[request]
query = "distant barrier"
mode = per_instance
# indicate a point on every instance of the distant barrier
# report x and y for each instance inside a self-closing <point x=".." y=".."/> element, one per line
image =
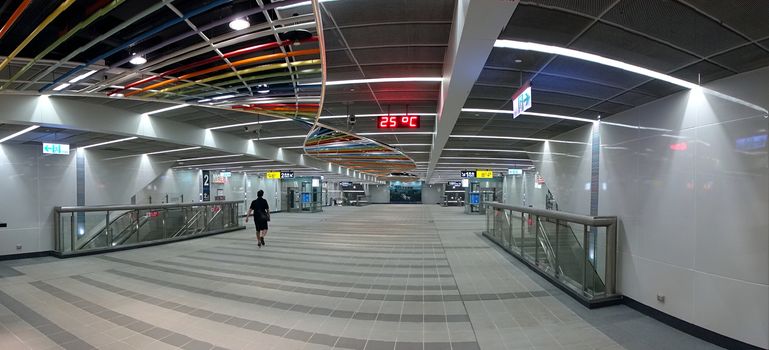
<point x="85" y="230"/>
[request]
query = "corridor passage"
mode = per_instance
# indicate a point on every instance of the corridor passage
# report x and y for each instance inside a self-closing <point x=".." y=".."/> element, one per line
<point x="375" y="277"/>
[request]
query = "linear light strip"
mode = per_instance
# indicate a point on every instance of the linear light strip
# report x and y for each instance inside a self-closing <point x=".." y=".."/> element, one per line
<point x="395" y="133"/>
<point x="545" y="115"/>
<point x="515" y="138"/>
<point x="382" y="80"/>
<point x="483" y="150"/>
<point x="487" y="158"/>
<point x="225" y="163"/>
<point x="210" y="157"/>
<point x="279" y="137"/>
<point x="22" y="132"/>
<point x="173" y="150"/>
<point x="561" y="51"/>
<point x="167" y="109"/>
<point x="110" y="142"/>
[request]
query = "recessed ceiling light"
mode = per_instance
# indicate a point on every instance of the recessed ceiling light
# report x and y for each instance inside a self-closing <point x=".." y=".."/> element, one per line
<point x="239" y="24"/>
<point x="137" y="60"/>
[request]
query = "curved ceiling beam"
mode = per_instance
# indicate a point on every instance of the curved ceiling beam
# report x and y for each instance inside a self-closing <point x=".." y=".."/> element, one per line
<point x="101" y="12"/>
<point x="98" y="40"/>
<point x="205" y="28"/>
<point x="245" y="71"/>
<point x="136" y="39"/>
<point x="224" y="67"/>
<point x="188" y="52"/>
<point x="64" y="5"/>
<point x="14" y="16"/>
<point x="251" y="49"/>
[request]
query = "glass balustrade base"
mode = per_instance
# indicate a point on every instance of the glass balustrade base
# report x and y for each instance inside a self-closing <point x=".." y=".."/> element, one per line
<point x="102" y="250"/>
<point x="589" y="301"/>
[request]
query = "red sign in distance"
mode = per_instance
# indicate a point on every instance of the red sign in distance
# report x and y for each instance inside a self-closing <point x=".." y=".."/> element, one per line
<point x="397" y="121"/>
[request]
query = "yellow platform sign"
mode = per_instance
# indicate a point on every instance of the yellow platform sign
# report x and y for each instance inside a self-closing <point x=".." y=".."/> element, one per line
<point x="484" y="174"/>
<point x="273" y="175"/>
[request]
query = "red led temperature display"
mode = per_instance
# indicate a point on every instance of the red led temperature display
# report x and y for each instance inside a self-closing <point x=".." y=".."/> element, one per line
<point x="401" y="121"/>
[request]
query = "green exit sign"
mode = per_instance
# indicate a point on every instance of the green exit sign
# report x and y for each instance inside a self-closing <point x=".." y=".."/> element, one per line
<point x="55" y="148"/>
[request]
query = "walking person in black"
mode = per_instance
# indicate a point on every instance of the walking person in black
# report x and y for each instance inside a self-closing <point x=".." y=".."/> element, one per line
<point x="261" y="211"/>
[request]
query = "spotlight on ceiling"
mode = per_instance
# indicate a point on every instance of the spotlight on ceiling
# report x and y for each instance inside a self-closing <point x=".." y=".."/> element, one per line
<point x="263" y="89"/>
<point x="137" y="60"/>
<point x="239" y="24"/>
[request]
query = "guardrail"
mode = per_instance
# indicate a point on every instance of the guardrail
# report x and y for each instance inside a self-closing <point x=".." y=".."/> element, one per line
<point x="93" y="229"/>
<point x="576" y="252"/>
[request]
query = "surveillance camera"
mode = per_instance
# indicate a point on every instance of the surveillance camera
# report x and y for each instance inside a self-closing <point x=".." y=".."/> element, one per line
<point x="253" y="128"/>
<point x="351" y="119"/>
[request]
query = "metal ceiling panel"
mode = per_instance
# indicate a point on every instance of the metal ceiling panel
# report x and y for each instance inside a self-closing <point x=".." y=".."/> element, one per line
<point x="608" y="41"/>
<point x="745" y="16"/>
<point x="665" y="20"/>
<point x="397" y="34"/>
<point x="542" y="25"/>
<point x="703" y="72"/>
<point x="589" y="7"/>
<point x="745" y="58"/>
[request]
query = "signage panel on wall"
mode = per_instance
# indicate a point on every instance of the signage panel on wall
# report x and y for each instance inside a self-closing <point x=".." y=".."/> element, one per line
<point x="467" y="173"/>
<point x="55" y="148"/>
<point x="521" y="100"/>
<point x="206" y="179"/>
<point x="484" y="174"/>
<point x="514" y="171"/>
<point x="454" y="183"/>
<point x="315" y="182"/>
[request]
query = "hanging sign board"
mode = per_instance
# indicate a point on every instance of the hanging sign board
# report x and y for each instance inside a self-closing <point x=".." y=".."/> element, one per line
<point x="273" y="175"/>
<point x="287" y="174"/>
<point x="467" y="173"/>
<point x="514" y="171"/>
<point x="521" y="100"/>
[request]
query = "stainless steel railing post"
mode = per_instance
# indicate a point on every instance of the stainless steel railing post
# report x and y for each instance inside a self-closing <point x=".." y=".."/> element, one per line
<point x="584" y="258"/>
<point x="536" y="239"/>
<point x="557" y="255"/>
<point x="72" y="232"/>
<point x="108" y="230"/>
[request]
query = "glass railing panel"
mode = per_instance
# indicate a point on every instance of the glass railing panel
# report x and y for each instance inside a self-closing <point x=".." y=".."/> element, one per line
<point x="576" y="251"/>
<point x="569" y="253"/>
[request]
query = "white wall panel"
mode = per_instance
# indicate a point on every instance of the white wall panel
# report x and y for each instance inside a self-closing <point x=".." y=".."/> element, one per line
<point x="31" y="185"/>
<point x="692" y="205"/>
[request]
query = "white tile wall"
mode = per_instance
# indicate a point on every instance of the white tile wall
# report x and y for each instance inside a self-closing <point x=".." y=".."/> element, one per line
<point x="693" y="222"/>
<point x="32" y="184"/>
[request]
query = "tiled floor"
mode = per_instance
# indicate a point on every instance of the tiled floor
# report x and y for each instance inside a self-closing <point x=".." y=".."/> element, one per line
<point x="377" y="277"/>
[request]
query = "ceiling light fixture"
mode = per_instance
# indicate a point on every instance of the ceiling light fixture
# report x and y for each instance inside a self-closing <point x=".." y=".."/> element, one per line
<point x="110" y="142"/>
<point x="395" y="133"/>
<point x="224" y="163"/>
<point x="137" y="60"/>
<point x="166" y="109"/>
<point x="82" y="76"/>
<point x="411" y="144"/>
<point x="483" y="150"/>
<point x="61" y="87"/>
<point x="26" y="130"/>
<point x="173" y="150"/>
<point x="239" y="24"/>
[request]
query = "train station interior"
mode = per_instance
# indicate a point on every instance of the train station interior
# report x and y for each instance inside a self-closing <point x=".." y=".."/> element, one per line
<point x="425" y="174"/>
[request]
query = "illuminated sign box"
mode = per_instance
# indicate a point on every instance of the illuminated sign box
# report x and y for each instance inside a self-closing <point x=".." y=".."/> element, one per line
<point x="398" y="122"/>
<point x="521" y="100"/>
<point x="484" y="174"/>
<point x="279" y="175"/>
<point x="55" y="148"/>
<point x="514" y="171"/>
<point x="467" y="173"/>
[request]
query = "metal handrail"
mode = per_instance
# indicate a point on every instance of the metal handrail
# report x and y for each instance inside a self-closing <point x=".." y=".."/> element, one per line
<point x="137" y="206"/>
<point x="559" y="215"/>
